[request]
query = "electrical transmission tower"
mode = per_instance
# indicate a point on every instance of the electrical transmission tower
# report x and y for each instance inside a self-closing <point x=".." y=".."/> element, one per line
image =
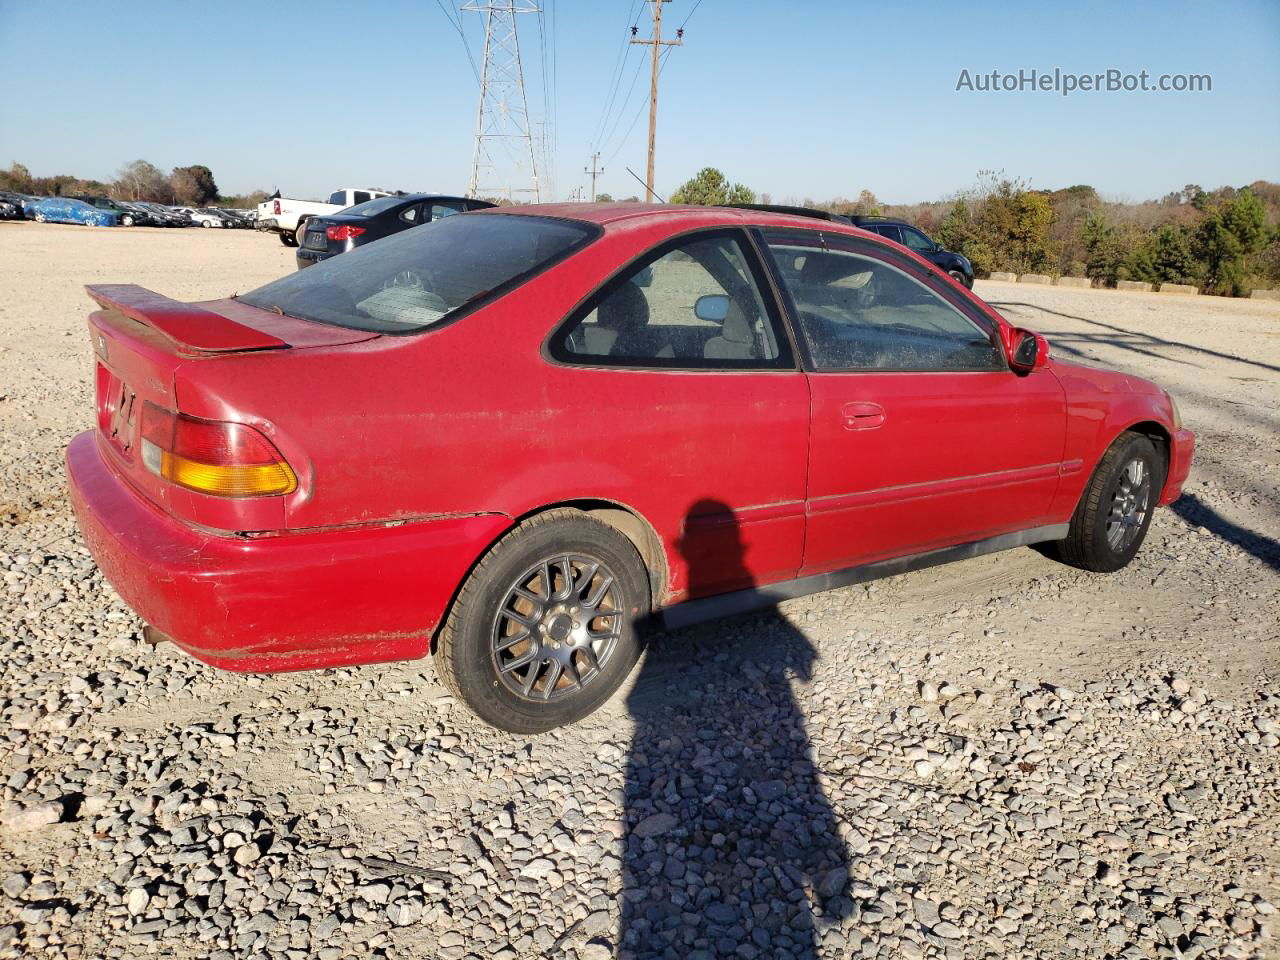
<point x="502" y="118"/>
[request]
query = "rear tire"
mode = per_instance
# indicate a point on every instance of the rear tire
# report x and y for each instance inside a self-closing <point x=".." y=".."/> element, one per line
<point x="1114" y="513"/>
<point x="959" y="277"/>
<point x="546" y="627"/>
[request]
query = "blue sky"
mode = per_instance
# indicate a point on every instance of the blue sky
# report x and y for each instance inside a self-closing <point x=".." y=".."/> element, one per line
<point x="799" y="99"/>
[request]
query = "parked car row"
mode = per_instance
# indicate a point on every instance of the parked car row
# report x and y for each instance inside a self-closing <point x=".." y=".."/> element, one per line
<point x="98" y="211"/>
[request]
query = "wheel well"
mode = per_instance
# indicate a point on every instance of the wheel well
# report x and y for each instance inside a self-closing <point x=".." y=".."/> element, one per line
<point x="632" y="526"/>
<point x="1158" y="436"/>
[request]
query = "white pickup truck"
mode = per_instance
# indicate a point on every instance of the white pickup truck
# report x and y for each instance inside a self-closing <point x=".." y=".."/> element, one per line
<point x="286" y="216"/>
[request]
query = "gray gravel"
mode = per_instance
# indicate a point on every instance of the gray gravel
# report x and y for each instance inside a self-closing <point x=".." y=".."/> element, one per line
<point x="1004" y="758"/>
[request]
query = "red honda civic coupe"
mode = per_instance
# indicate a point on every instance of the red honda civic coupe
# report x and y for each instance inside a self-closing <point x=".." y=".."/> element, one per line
<point x="515" y="437"/>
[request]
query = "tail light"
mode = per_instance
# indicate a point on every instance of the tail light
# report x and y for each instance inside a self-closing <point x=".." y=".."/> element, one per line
<point x="212" y="456"/>
<point x="343" y="232"/>
<point x="275" y="207"/>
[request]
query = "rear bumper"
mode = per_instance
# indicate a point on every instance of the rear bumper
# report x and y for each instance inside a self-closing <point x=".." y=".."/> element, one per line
<point x="293" y="601"/>
<point x="1181" y="452"/>
<point x="306" y="258"/>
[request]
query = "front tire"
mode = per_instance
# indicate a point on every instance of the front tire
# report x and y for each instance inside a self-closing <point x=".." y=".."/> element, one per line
<point x="1114" y="514"/>
<point x="959" y="277"/>
<point x="546" y="627"/>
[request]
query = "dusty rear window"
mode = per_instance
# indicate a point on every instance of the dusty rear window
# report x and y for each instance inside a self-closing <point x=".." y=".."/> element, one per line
<point x="416" y="279"/>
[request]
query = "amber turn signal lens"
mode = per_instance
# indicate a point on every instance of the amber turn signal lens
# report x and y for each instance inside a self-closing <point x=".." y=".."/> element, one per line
<point x="237" y="480"/>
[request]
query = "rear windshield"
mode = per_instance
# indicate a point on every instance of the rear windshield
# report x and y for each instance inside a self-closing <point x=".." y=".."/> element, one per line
<point x="415" y="279"/>
<point x="370" y="207"/>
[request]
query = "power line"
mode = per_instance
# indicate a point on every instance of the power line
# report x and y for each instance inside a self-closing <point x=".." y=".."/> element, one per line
<point x="635" y="77"/>
<point x="457" y="26"/>
<point x="555" y="78"/>
<point x="546" y="101"/>
<point x="623" y="54"/>
<point x="639" y="113"/>
<point x="691" y="13"/>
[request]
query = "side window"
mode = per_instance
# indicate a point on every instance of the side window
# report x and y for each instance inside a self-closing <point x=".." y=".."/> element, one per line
<point x="916" y="241"/>
<point x="361" y="196"/>
<point x="858" y="312"/>
<point x="441" y="210"/>
<point x="412" y="214"/>
<point x="339" y="197"/>
<point x="695" y="304"/>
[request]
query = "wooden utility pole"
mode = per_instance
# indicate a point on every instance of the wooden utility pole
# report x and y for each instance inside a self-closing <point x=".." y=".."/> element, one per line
<point x="656" y="42"/>
<point x="595" y="158"/>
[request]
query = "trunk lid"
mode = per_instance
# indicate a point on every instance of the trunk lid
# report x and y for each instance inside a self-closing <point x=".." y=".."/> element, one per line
<point x="141" y="338"/>
<point x="315" y="234"/>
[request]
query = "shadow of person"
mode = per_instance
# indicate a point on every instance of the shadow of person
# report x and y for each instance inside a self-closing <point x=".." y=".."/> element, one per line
<point x="1194" y="510"/>
<point x="730" y="845"/>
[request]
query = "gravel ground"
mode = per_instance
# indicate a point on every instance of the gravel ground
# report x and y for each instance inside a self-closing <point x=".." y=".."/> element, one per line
<point x="999" y="758"/>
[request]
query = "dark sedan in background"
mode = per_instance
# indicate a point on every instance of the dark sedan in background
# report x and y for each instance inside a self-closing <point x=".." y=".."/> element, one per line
<point x="374" y="219"/>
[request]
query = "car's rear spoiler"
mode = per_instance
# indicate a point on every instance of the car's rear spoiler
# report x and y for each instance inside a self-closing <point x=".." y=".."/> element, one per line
<point x="187" y="325"/>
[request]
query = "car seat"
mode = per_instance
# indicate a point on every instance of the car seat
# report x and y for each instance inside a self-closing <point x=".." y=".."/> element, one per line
<point x="736" y="341"/>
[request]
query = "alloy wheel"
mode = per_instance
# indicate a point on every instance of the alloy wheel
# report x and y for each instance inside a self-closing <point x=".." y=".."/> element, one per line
<point x="1129" y="505"/>
<point x="556" y="628"/>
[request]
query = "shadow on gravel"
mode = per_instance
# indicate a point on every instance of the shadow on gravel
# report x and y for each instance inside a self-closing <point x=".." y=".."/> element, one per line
<point x="1194" y="510"/>
<point x="731" y="846"/>
<point x="1143" y="343"/>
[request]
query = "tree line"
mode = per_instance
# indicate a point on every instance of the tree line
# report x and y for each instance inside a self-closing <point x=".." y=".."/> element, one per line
<point x="189" y="186"/>
<point x="1224" y="241"/>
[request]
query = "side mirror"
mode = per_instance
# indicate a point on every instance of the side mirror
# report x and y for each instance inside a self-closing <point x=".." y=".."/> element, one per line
<point x="1030" y="351"/>
<point x="713" y="307"/>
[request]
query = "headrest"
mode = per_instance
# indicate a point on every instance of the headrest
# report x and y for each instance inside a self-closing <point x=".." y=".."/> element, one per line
<point x="736" y="328"/>
<point x="624" y="309"/>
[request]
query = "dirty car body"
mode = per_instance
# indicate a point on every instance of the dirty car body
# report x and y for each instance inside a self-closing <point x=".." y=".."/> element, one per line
<point x="761" y="405"/>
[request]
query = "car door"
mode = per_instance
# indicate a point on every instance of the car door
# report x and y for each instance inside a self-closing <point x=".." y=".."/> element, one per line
<point x="921" y="436"/>
<point x="680" y="372"/>
<point x="917" y="242"/>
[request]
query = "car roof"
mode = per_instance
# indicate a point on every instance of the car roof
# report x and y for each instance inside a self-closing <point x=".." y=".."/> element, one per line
<point x="860" y="219"/>
<point x="603" y="214"/>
